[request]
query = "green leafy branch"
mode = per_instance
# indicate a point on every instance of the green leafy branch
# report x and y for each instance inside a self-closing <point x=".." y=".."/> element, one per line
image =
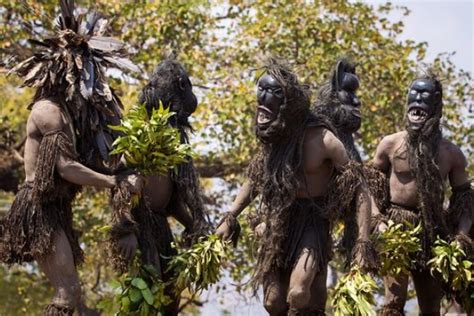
<point x="149" y="143"/>
<point x="451" y="263"/>
<point x="397" y="246"/>
<point x="198" y="267"/>
<point x="141" y="292"/>
<point x="353" y="294"/>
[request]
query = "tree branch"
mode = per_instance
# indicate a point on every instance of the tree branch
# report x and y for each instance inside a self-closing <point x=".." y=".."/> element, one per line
<point x="218" y="169"/>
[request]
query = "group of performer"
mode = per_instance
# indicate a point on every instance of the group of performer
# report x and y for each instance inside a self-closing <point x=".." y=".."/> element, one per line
<point x="307" y="173"/>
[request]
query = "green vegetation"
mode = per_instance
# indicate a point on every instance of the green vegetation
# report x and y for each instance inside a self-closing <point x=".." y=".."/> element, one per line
<point x="398" y="247"/>
<point x="354" y="294"/>
<point x="148" y="143"/>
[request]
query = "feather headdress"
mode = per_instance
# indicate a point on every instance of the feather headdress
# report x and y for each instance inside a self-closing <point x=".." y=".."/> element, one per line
<point x="70" y="68"/>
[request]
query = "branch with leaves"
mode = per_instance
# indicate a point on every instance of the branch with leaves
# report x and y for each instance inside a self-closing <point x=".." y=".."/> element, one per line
<point x="397" y="248"/>
<point x="354" y="294"/>
<point x="198" y="267"/>
<point x="141" y="291"/>
<point x="148" y="143"/>
<point x="451" y="264"/>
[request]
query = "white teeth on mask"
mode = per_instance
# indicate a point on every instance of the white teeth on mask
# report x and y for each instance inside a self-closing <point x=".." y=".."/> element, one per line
<point x="417" y="115"/>
<point x="263" y="117"/>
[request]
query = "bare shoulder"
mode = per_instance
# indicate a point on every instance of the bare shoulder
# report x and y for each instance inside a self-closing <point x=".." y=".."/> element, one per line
<point x="313" y="134"/>
<point x="453" y="153"/>
<point x="390" y="142"/>
<point x="46" y="116"/>
<point x="322" y="137"/>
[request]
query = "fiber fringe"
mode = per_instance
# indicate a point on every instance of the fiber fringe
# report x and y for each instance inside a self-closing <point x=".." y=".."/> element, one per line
<point x="41" y="208"/>
<point x="57" y="310"/>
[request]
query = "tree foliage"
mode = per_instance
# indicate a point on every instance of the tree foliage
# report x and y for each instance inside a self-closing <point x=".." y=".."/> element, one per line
<point x="221" y="44"/>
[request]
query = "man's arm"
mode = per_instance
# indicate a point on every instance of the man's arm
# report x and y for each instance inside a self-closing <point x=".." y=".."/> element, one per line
<point x="229" y="228"/>
<point x="243" y="199"/>
<point x="381" y="159"/>
<point x="46" y="117"/>
<point x="335" y="150"/>
<point x="458" y="177"/>
<point x="363" y="254"/>
<point x="338" y="155"/>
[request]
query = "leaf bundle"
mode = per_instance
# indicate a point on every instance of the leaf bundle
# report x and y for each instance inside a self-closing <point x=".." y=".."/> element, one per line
<point x="198" y="267"/>
<point x="397" y="248"/>
<point x="353" y="294"/>
<point x="451" y="263"/>
<point x="149" y="143"/>
<point x="142" y="293"/>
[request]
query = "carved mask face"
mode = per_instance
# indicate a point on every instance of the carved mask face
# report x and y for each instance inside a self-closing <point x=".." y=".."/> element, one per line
<point x="270" y="97"/>
<point x="187" y="100"/>
<point x="346" y="83"/>
<point x="423" y="102"/>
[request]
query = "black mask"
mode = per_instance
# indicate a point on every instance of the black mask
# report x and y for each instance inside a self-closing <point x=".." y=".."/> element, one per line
<point x="170" y="85"/>
<point x="345" y="83"/>
<point x="187" y="103"/>
<point x="424" y="102"/>
<point x="270" y="97"/>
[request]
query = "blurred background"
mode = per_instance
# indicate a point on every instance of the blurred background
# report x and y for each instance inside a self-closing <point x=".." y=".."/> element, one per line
<point x="221" y="43"/>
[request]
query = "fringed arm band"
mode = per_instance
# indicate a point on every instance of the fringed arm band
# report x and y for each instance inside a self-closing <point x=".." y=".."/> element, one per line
<point x="364" y="256"/>
<point x="234" y="226"/>
<point x="378" y="185"/>
<point x="122" y="221"/>
<point x="53" y="144"/>
<point x="461" y="202"/>
<point x="342" y="190"/>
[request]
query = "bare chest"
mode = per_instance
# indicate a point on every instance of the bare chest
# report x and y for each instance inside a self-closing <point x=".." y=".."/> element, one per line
<point x="401" y="166"/>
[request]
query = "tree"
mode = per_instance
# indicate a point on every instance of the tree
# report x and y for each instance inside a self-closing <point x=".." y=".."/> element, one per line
<point x="221" y="43"/>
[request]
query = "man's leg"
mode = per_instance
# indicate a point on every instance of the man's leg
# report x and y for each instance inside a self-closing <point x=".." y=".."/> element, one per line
<point x="275" y="288"/>
<point x="303" y="275"/>
<point x="319" y="291"/>
<point x="59" y="268"/>
<point x="428" y="292"/>
<point x="395" y="295"/>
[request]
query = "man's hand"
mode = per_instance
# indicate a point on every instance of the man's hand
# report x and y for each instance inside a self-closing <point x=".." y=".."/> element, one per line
<point x="136" y="183"/>
<point x="224" y="231"/>
<point x="128" y="246"/>
<point x="260" y="229"/>
<point x="382" y="227"/>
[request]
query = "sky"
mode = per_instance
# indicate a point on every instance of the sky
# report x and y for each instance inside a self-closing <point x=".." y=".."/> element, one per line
<point x="447" y="26"/>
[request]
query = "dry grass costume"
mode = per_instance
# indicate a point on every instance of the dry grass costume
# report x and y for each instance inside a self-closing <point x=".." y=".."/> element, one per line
<point x="67" y="69"/>
<point x="294" y="226"/>
<point x="178" y="194"/>
<point x="338" y="103"/>
<point x="420" y="160"/>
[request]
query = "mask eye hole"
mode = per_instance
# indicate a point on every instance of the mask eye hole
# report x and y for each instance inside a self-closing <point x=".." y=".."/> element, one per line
<point x="278" y="93"/>
<point x="425" y="95"/>
<point x="413" y="92"/>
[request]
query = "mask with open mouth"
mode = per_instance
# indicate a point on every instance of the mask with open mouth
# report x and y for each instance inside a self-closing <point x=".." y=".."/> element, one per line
<point x="270" y="97"/>
<point x="424" y="103"/>
<point x="282" y="105"/>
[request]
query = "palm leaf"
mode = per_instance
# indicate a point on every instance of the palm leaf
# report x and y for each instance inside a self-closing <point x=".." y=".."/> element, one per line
<point x="106" y="44"/>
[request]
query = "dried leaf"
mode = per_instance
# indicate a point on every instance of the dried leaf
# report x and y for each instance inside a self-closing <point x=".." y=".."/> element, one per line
<point x="122" y="63"/>
<point x="106" y="44"/>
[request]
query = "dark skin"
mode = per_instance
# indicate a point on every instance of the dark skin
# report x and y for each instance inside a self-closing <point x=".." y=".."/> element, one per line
<point x="391" y="159"/>
<point x="58" y="266"/>
<point x="304" y="287"/>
